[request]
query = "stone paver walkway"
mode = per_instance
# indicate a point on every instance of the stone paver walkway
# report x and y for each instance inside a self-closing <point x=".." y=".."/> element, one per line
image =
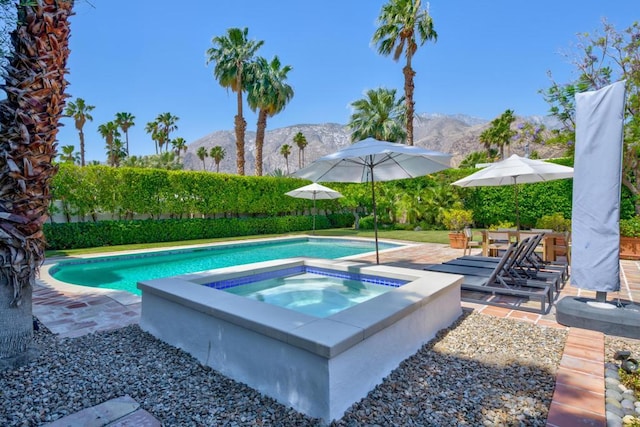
<point x="72" y="311"/>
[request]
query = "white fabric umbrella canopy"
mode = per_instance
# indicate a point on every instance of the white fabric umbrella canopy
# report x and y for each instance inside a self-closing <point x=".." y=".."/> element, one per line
<point x="313" y="192"/>
<point x="515" y="170"/>
<point x="371" y="160"/>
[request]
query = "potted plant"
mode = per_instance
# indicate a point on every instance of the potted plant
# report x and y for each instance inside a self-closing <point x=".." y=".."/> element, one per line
<point x="455" y="220"/>
<point x="630" y="238"/>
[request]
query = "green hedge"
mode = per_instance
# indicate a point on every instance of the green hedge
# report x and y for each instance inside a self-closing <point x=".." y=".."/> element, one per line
<point x="109" y="233"/>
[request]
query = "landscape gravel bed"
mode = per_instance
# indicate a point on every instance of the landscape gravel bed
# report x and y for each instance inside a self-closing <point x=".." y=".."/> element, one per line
<point x="621" y="404"/>
<point x="481" y="371"/>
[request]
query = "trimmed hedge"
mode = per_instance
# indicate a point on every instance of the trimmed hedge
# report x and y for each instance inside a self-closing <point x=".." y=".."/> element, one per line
<point x="110" y="233"/>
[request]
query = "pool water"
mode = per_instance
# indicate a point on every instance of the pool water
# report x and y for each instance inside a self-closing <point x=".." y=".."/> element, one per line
<point x="311" y="293"/>
<point x="123" y="272"/>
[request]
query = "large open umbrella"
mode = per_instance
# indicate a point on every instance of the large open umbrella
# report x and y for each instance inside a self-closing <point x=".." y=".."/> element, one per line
<point x="513" y="171"/>
<point x="312" y="192"/>
<point x="371" y="160"/>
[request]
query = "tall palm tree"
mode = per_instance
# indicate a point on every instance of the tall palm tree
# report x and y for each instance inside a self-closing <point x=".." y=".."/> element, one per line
<point x="379" y="115"/>
<point x="152" y="129"/>
<point x="301" y="142"/>
<point x="202" y="154"/>
<point x="217" y="153"/>
<point x="109" y="131"/>
<point x="285" y="150"/>
<point x="117" y="152"/>
<point x="402" y="25"/>
<point x="34" y="84"/>
<point x="125" y="121"/>
<point x="268" y="93"/>
<point x="231" y="54"/>
<point x="80" y="111"/>
<point x="179" y="145"/>
<point x="167" y="124"/>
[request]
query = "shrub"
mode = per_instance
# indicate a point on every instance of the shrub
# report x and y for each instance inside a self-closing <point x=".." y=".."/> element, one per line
<point x="630" y="227"/>
<point x="366" y="222"/>
<point x="555" y="222"/>
<point x="502" y="224"/>
<point x="457" y="219"/>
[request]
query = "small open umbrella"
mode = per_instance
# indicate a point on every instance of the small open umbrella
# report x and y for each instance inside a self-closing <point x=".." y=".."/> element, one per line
<point x="513" y="171"/>
<point x="314" y="191"/>
<point x="371" y="160"/>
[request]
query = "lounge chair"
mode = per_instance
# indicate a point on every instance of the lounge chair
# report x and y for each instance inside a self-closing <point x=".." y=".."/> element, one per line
<point x="527" y="263"/>
<point x="518" y="268"/>
<point x="497" y="280"/>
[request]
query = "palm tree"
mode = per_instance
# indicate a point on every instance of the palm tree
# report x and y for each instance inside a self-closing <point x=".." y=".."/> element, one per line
<point x="379" y="115"/>
<point x="301" y="142"/>
<point x="402" y="25"/>
<point x="499" y="133"/>
<point x="167" y="124"/>
<point x="269" y="93"/>
<point x="109" y="132"/>
<point x="179" y="144"/>
<point x="125" y="121"/>
<point x="285" y="150"/>
<point x="79" y="110"/>
<point x="68" y="155"/>
<point x="217" y="153"/>
<point x="117" y="152"/>
<point x="34" y="85"/>
<point x="231" y="54"/>
<point x="152" y="129"/>
<point x="202" y="154"/>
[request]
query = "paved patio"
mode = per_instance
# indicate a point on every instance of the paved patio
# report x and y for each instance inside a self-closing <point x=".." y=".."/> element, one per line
<point x="72" y="311"/>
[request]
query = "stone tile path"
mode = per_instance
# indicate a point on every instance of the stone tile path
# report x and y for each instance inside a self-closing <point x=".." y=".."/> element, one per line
<point x="72" y="311"/>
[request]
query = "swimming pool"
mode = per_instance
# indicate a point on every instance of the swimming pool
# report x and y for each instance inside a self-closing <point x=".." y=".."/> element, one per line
<point x="123" y="272"/>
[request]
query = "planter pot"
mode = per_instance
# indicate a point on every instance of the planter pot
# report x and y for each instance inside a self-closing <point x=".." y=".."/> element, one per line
<point x="456" y="240"/>
<point x="630" y="248"/>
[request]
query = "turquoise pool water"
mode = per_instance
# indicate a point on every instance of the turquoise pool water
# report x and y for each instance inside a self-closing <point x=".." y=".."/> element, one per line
<point x="123" y="272"/>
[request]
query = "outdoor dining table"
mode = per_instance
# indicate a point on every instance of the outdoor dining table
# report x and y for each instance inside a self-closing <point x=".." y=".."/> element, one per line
<point x="548" y="242"/>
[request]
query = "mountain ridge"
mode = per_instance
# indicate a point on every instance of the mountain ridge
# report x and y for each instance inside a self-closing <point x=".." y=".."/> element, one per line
<point x="456" y="134"/>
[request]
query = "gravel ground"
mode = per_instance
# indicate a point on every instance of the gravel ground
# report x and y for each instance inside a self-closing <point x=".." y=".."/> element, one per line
<point x="481" y="371"/>
<point x="621" y="404"/>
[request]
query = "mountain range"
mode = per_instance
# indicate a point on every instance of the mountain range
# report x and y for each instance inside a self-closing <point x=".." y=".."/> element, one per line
<point x="456" y="134"/>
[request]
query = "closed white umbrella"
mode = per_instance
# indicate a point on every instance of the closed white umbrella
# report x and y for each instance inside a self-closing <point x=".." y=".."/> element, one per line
<point x="515" y="170"/>
<point x="371" y="160"/>
<point x="313" y="192"/>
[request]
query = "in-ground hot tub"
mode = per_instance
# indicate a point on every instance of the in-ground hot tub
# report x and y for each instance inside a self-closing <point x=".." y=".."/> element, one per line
<point x="319" y="366"/>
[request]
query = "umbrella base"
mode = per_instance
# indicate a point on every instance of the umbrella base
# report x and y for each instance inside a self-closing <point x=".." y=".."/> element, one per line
<point x="607" y="317"/>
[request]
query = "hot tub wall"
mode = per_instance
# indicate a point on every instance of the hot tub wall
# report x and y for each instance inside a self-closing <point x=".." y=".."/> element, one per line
<point x="319" y="367"/>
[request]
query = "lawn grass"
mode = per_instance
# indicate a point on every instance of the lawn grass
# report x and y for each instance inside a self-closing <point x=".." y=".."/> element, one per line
<point x="427" y="236"/>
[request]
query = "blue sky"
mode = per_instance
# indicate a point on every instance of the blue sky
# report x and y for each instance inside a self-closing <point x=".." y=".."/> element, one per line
<point x="148" y="58"/>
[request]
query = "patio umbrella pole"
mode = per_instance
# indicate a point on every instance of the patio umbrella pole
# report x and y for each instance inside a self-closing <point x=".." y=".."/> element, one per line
<point x="375" y="215"/>
<point x="314" y="214"/>
<point x="515" y="189"/>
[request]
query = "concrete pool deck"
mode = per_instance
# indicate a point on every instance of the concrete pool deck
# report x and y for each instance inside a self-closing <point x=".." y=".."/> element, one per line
<point x="73" y="311"/>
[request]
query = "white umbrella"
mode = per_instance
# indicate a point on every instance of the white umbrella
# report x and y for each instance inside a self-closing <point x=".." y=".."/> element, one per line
<point x="516" y="170"/>
<point x="312" y="192"/>
<point x="371" y="160"/>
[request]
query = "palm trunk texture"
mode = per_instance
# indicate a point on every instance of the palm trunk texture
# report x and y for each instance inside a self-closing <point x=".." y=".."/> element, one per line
<point x="408" y="90"/>
<point x="260" y="131"/>
<point x="29" y="117"/>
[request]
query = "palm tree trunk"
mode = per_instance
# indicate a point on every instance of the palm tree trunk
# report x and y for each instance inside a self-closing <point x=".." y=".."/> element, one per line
<point x="29" y="117"/>
<point x="241" y="126"/>
<point x="408" y="93"/>
<point x="81" y="147"/>
<point x="260" y="130"/>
